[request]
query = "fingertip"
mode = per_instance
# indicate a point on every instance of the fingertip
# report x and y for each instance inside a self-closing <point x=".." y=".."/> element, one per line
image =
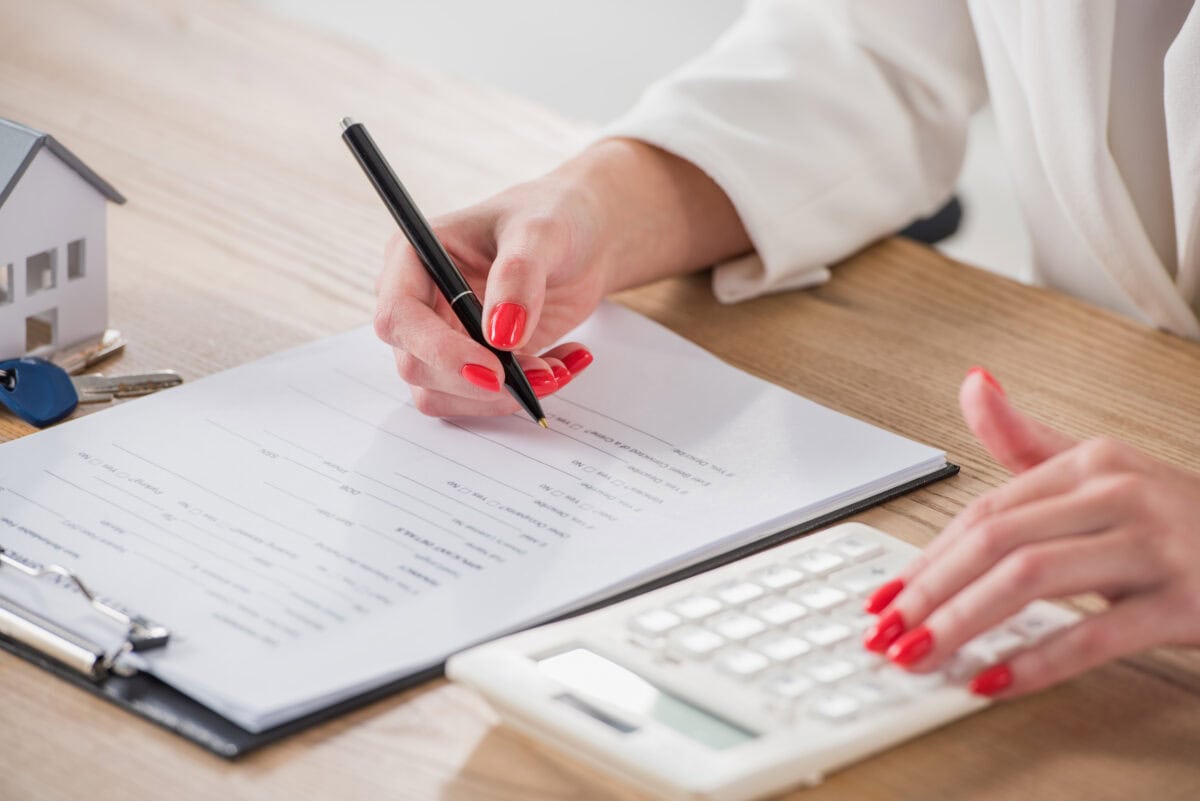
<point x="577" y="360"/>
<point x="993" y="682"/>
<point x="506" y="325"/>
<point x="481" y="376"/>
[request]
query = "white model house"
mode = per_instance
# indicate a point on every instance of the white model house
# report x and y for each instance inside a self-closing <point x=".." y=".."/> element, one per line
<point x="53" y="283"/>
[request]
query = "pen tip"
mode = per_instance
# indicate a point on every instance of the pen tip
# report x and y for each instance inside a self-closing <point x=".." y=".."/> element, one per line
<point x="347" y="122"/>
<point x="542" y="422"/>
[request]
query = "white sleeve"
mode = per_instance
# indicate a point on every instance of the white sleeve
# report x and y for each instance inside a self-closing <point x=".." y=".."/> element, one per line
<point x="829" y="123"/>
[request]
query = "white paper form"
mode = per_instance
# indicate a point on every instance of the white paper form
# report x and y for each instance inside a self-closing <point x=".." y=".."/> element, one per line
<point x="307" y="535"/>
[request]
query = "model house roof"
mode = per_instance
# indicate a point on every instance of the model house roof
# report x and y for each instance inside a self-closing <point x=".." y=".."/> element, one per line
<point x="20" y="143"/>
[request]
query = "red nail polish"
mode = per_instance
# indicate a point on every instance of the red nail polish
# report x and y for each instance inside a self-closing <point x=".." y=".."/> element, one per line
<point x="508" y="324"/>
<point x="883" y="596"/>
<point x="992" y="681"/>
<point x="576" y="360"/>
<point x="542" y="382"/>
<point x="481" y="377"/>
<point x="910" y="648"/>
<point x="561" y="374"/>
<point x="988" y="377"/>
<point x="889" y="629"/>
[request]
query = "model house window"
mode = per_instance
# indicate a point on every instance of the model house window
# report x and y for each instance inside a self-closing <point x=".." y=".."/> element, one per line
<point x="41" y="329"/>
<point x="76" y="254"/>
<point x="39" y="271"/>
<point x="6" y="283"/>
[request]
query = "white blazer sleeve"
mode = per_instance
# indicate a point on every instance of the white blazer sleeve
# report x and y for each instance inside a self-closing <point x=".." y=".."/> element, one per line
<point x="829" y="123"/>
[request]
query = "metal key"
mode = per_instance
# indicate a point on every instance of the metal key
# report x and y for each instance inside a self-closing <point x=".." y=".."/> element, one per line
<point x="96" y="388"/>
<point x="41" y="393"/>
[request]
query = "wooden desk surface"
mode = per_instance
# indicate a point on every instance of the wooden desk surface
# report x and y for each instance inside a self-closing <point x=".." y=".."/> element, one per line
<point x="249" y="229"/>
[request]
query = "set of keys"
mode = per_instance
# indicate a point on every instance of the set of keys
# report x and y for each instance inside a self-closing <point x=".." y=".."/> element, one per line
<point x="42" y="393"/>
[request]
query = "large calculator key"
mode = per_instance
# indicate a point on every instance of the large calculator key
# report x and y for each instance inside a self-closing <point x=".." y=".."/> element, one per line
<point x="823" y="635"/>
<point x="865" y="579"/>
<point x="818" y="598"/>
<point x="736" y="626"/>
<point x="1037" y="624"/>
<point x="738" y="592"/>
<point x="994" y="646"/>
<point x="872" y="691"/>
<point x="695" y="607"/>
<point x="777" y="611"/>
<point x="778" y="577"/>
<point x="742" y="663"/>
<point x="835" y="707"/>
<point x="694" y="641"/>
<point x="783" y="647"/>
<point x="857" y="547"/>
<point x="827" y="671"/>
<point x="788" y="686"/>
<point x="655" y="622"/>
<point x="915" y="684"/>
<point x="819" y="562"/>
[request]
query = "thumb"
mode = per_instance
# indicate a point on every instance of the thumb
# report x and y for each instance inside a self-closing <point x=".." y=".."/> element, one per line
<point x="1015" y="440"/>
<point x="526" y="252"/>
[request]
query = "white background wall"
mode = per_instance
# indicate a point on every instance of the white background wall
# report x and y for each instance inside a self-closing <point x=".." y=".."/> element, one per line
<point x="589" y="60"/>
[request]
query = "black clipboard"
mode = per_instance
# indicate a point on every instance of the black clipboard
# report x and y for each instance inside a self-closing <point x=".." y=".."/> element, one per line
<point x="162" y="704"/>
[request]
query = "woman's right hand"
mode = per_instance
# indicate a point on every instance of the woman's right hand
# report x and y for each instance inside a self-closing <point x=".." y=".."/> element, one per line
<point x="540" y="256"/>
<point x="531" y="255"/>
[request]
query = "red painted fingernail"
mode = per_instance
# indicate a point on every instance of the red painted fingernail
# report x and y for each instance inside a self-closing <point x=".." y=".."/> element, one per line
<point x="911" y="647"/>
<point x="542" y="381"/>
<point x="992" y="681"/>
<point x="481" y="377"/>
<point x="988" y="377"/>
<point x="508" y="324"/>
<point x="576" y="360"/>
<point x="885" y="632"/>
<point x="561" y="374"/>
<point x="883" y="596"/>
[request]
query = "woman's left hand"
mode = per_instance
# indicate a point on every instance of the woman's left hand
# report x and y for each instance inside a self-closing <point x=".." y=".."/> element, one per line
<point x="1095" y="516"/>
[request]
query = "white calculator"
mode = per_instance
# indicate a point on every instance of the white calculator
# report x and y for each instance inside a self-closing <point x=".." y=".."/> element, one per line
<point x="740" y="682"/>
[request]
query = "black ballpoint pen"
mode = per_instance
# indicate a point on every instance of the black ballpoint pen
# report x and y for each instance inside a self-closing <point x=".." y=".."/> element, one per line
<point x="437" y="261"/>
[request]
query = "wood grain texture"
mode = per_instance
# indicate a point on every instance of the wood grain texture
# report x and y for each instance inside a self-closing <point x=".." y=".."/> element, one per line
<point x="249" y="230"/>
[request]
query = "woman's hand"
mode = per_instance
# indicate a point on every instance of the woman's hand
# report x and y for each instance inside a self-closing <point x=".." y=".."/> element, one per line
<point x="541" y="256"/>
<point x="532" y="256"/>
<point x="1095" y="516"/>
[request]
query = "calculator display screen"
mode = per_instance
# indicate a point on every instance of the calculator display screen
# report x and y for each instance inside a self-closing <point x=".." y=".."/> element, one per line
<point x="595" y="678"/>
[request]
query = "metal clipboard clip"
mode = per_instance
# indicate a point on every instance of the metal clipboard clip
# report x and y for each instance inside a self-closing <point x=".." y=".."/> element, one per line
<point x="33" y="630"/>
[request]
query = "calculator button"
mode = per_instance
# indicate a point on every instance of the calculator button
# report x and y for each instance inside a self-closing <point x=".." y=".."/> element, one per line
<point x="778" y="577"/>
<point x="915" y="683"/>
<point x="857" y="547"/>
<point x="818" y="599"/>
<point x="861" y="622"/>
<point x="738" y="592"/>
<point x="655" y="622"/>
<point x="783" y="647"/>
<point x="694" y="641"/>
<point x="826" y="634"/>
<point x="1037" y="624"/>
<point x="865" y="579"/>
<point x="788" y="686"/>
<point x="819" y="562"/>
<point x="994" y="646"/>
<point x="835" y="707"/>
<point x="695" y="607"/>
<point x="736" y="626"/>
<point x="873" y="691"/>
<point x="742" y="663"/>
<point x="777" y="611"/>
<point x="827" y="671"/>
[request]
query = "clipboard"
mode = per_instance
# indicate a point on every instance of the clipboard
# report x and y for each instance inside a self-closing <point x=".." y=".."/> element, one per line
<point x="88" y="666"/>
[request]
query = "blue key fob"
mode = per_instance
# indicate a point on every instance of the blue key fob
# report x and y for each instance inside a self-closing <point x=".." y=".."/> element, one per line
<point x="37" y="391"/>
